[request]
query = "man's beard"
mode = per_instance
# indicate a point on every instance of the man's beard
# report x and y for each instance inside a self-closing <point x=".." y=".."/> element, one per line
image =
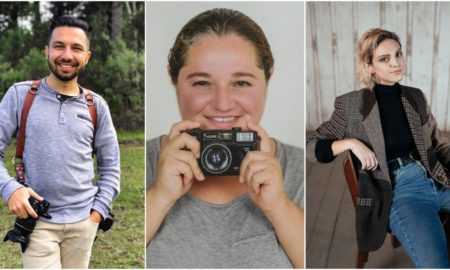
<point x="62" y="77"/>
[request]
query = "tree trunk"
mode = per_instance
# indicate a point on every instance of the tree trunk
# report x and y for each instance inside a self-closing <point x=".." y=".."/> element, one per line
<point x="36" y="12"/>
<point x="117" y="13"/>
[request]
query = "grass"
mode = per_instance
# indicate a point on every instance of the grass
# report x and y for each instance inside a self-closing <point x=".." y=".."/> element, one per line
<point x="122" y="246"/>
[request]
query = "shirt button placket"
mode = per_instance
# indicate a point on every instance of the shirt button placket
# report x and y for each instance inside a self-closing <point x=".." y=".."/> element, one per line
<point x="62" y="113"/>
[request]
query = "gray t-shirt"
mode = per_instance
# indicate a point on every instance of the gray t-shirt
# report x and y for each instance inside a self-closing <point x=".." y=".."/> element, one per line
<point x="197" y="234"/>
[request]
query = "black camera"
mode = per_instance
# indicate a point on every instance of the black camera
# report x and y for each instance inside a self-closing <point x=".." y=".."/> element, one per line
<point x="107" y="222"/>
<point x="25" y="226"/>
<point x="222" y="151"/>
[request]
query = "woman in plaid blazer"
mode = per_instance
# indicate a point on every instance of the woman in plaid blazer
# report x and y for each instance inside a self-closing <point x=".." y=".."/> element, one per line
<point x="392" y="132"/>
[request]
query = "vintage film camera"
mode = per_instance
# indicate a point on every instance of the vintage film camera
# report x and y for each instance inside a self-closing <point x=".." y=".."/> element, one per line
<point x="222" y="151"/>
<point x="24" y="227"/>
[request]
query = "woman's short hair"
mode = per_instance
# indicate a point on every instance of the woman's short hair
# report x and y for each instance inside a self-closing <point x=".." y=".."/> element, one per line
<point x="366" y="48"/>
<point x="220" y="22"/>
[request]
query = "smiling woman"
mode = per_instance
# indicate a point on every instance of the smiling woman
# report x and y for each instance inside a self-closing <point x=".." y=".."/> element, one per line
<point x="220" y="66"/>
<point x="226" y="95"/>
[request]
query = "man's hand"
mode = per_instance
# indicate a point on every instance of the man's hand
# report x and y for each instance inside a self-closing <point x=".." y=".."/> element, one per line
<point x="19" y="205"/>
<point x="96" y="217"/>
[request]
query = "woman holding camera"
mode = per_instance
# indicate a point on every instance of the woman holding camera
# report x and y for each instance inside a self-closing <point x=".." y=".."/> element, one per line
<point x="390" y="129"/>
<point x="220" y="65"/>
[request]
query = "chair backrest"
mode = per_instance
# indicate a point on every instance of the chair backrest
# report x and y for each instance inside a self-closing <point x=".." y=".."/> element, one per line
<point x="350" y="176"/>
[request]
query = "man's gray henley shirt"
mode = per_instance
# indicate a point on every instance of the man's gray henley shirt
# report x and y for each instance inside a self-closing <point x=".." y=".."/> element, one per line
<point x="58" y="159"/>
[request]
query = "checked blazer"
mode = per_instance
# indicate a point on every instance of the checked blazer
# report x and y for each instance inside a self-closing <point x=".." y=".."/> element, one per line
<point x="356" y="115"/>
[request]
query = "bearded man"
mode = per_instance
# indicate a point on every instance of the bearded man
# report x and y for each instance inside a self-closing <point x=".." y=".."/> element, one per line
<point x="62" y="136"/>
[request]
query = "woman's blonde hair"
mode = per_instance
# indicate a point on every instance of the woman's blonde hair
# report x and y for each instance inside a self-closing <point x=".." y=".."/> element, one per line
<point x="366" y="48"/>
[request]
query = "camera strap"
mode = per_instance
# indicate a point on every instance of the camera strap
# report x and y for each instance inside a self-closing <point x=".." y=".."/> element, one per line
<point x="18" y="165"/>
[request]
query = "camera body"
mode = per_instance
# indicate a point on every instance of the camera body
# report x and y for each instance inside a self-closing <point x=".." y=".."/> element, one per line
<point x="40" y="207"/>
<point x="222" y="151"/>
<point x="23" y="227"/>
<point x="107" y="222"/>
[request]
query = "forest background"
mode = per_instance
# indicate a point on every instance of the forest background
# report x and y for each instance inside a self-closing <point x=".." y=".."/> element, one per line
<point x="116" y="72"/>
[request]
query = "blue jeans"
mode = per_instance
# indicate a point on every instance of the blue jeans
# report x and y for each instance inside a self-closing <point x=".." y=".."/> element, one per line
<point x="414" y="217"/>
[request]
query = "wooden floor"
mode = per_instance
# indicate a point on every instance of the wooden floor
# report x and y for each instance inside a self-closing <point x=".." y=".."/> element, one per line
<point x="330" y="223"/>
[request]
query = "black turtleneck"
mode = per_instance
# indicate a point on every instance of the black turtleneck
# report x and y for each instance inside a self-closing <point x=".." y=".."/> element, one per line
<point x="396" y="131"/>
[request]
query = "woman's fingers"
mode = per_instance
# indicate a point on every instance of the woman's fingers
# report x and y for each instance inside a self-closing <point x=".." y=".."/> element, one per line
<point x="184" y="141"/>
<point x="178" y="165"/>
<point x="365" y="155"/>
<point x="250" y="157"/>
<point x="182" y="126"/>
<point x="258" y="175"/>
<point x="257" y="169"/>
<point x="265" y="145"/>
<point x="188" y="158"/>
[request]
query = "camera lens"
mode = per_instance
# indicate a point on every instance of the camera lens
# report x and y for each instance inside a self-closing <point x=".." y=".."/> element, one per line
<point x="216" y="158"/>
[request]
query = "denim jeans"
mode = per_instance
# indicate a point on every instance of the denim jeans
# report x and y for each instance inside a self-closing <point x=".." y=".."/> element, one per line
<point x="414" y="217"/>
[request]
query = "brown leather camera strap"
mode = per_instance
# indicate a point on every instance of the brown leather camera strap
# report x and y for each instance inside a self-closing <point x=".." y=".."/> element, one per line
<point x="91" y="106"/>
<point x="23" y="119"/>
<point x="92" y="112"/>
<point x="18" y="165"/>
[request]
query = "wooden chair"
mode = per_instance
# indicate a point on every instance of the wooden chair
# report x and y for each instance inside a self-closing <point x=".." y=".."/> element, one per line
<point x="352" y="182"/>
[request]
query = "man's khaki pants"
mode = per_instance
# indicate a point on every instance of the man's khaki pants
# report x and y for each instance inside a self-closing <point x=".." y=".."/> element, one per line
<point x="60" y="245"/>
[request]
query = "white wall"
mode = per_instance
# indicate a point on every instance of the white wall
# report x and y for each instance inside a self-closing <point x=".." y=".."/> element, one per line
<point x="332" y="31"/>
<point x="283" y="25"/>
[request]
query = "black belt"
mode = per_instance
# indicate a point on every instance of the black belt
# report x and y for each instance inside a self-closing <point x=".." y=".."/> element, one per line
<point x="397" y="163"/>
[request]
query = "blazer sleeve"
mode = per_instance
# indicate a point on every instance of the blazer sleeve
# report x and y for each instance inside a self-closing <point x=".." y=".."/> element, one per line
<point x="318" y="145"/>
<point x="440" y="142"/>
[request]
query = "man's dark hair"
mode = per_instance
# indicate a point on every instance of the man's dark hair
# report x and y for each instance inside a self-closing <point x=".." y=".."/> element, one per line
<point x="71" y="21"/>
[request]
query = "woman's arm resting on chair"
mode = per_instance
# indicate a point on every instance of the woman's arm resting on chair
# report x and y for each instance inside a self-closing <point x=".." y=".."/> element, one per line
<point x="362" y="152"/>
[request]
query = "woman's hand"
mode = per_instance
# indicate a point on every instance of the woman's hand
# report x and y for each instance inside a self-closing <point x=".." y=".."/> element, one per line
<point x="262" y="175"/>
<point x="261" y="172"/>
<point x="362" y="152"/>
<point x="178" y="166"/>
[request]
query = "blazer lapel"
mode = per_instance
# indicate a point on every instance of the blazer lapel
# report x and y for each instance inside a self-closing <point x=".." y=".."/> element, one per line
<point x="415" y="124"/>
<point x="373" y="129"/>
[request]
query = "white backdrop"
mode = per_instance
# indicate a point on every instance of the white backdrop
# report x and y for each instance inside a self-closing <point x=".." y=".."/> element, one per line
<point x="283" y="25"/>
